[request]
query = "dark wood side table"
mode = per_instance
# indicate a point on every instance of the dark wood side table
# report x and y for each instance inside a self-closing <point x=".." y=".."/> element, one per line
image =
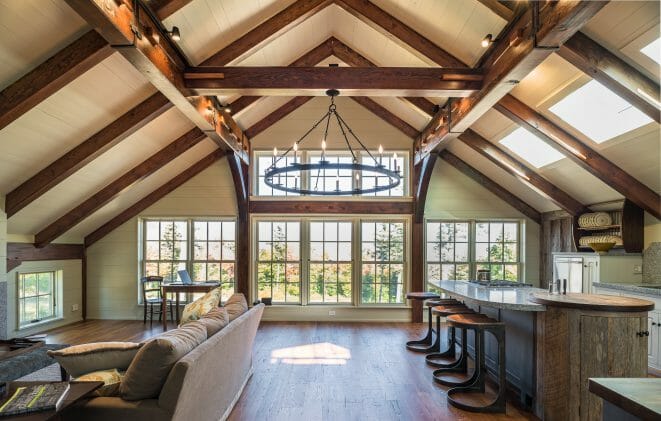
<point x="77" y="392"/>
<point x="180" y="287"/>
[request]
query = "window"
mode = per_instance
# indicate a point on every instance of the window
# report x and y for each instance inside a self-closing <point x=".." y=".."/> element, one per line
<point x="340" y="261"/>
<point x="382" y="249"/>
<point x="653" y="50"/>
<point x="36" y="297"/>
<point x="206" y="248"/>
<point x="330" y="262"/>
<point x="279" y="261"/>
<point x="531" y="148"/>
<point x="598" y="113"/>
<point x="457" y="249"/>
<point x="331" y="180"/>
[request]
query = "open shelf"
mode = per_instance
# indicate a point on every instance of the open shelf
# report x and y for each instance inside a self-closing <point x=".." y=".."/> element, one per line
<point x="605" y="227"/>
<point x="628" y="225"/>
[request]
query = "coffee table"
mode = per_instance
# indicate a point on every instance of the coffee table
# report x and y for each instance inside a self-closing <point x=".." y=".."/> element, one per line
<point x="77" y="392"/>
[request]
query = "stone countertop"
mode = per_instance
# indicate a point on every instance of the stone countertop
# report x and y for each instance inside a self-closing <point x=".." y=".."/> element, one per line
<point x="634" y="288"/>
<point x="506" y="298"/>
<point x="640" y="397"/>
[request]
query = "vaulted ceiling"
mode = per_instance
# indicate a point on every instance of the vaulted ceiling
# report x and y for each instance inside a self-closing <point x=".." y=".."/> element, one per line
<point x="107" y="132"/>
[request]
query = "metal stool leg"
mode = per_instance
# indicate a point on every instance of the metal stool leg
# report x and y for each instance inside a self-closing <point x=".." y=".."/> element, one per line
<point x="427" y="340"/>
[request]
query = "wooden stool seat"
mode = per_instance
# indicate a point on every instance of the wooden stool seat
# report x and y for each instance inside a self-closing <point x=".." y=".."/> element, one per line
<point x="442" y="301"/>
<point x="422" y="295"/>
<point x="473" y="321"/>
<point x="447" y="310"/>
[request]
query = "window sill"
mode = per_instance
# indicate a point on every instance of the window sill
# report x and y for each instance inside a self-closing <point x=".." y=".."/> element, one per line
<point x="41" y="323"/>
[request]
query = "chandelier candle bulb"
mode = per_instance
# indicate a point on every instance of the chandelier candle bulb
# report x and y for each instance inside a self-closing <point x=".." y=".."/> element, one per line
<point x="380" y="155"/>
<point x="295" y="150"/>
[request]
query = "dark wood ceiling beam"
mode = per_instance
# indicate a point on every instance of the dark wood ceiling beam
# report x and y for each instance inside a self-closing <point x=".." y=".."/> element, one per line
<point x="105" y="195"/>
<point x="166" y="8"/>
<point x="613" y="72"/>
<point x="277" y="115"/>
<point x="519" y="50"/>
<point x="153" y="197"/>
<point x="267" y="30"/>
<point x="489" y="184"/>
<point x="306" y="207"/>
<point x="498" y="8"/>
<point x="85" y="152"/>
<point x="51" y="75"/>
<point x="357" y="81"/>
<point x="422" y="173"/>
<point x="161" y="63"/>
<point x="519" y="170"/>
<point x="583" y="155"/>
<point x="399" y="32"/>
<point x="387" y="116"/>
<point x="18" y="253"/>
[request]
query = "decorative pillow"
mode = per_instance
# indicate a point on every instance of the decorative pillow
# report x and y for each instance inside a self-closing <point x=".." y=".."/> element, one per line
<point x="201" y="306"/>
<point x="86" y="358"/>
<point x="236" y="306"/>
<point x="152" y="364"/>
<point x="215" y="320"/>
<point x="111" y="380"/>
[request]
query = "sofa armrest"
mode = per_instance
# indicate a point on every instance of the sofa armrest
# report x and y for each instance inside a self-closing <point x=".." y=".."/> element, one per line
<point x="115" y="409"/>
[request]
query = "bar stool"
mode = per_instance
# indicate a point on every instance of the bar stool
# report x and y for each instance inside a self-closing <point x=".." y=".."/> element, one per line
<point x="445" y="311"/>
<point x="476" y="384"/>
<point x="422" y="345"/>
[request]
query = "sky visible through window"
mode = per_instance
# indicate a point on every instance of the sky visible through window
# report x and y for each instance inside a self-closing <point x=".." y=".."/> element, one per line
<point x="599" y="113"/>
<point x="531" y="148"/>
<point x="653" y="50"/>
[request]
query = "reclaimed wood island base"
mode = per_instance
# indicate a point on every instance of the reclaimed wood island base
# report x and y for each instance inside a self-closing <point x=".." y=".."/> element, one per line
<point x="580" y="336"/>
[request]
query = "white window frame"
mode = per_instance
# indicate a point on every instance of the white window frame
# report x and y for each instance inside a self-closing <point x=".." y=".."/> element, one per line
<point x="55" y="298"/>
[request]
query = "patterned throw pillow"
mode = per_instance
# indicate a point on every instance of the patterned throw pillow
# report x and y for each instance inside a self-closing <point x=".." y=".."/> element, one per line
<point x="236" y="306"/>
<point x="110" y="378"/>
<point x="201" y="306"/>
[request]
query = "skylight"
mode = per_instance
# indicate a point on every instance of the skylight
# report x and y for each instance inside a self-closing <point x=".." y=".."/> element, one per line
<point x="531" y="148"/>
<point x="599" y="113"/>
<point x="653" y="50"/>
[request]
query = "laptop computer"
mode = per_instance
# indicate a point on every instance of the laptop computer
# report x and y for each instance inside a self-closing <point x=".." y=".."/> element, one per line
<point x="185" y="277"/>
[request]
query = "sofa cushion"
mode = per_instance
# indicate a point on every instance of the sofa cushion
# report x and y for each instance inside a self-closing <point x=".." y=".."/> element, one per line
<point x="86" y="358"/>
<point x="215" y="320"/>
<point x="150" y="368"/>
<point x="111" y="380"/>
<point x="236" y="305"/>
<point x="201" y="306"/>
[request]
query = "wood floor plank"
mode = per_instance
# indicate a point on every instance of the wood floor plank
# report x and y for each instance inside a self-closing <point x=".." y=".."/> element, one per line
<point x="322" y="371"/>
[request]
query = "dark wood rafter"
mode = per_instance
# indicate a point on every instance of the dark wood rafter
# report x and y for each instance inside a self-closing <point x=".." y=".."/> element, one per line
<point x="353" y="207"/>
<point x="51" y="75"/>
<point x="240" y="176"/>
<point x="85" y="152"/>
<point x="538" y="31"/>
<point x="583" y="155"/>
<point x="167" y="8"/>
<point x="613" y="72"/>
<point x="96" y="201"/>
<point x="372" y="81"/>
<point x="277" y="115"/>
<point x="422" y="173"/>
<point x="387" y="116"/>
<point x="498" y="8"/>
<point x="161" y="63"/>
<point x="153" y="197"/>
<point x="399" y="32"/>
<point x="18" y="253"/>
<point x="491" y="185"/>
<point x="523" y="173"/>
<point x="267" y="30"/>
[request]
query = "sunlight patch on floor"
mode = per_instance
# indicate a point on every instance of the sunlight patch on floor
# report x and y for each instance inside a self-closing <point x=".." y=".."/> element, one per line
<point x="323" y="353"/>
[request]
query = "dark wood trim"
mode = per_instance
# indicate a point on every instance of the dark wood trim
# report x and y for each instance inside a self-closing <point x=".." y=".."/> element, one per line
<point x="84" y="284"/>
<point x="161" y="63"/>
<point x="399" y="32"/>
<point x="508" y="61"/>
<point x="417" y="267"/>
<point x="106" y="194"/>
<point x="51" y="75"/>
<point x="498" y="8"/>
<point x="370" y="207"/>
<point x="583" y="155"/>
<point x="167" y="8"/>
<point x="522" y="172"/>
<point x="240" y="176"/>
<point x="613" y="72"/>
<point x="277" y="115"/>
<point x="267" y="30"/>
<point x="422" y="172"/>
<point x="12" y="264"/>
<point x="491" y="185"/>
<point x="153" y="197"/>
<point x="85" y="152"/>
<point x="387" y="116"/>
<point x="289" y="81"/>
<point x="18" y="253"/>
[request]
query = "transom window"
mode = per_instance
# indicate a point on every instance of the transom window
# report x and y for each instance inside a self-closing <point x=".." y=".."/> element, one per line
<point x="36" y="297"/>
<point x="457" y="249"/>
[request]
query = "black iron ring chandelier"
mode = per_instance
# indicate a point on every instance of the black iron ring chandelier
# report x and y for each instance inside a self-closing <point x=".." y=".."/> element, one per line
<point x="273" y="175"/>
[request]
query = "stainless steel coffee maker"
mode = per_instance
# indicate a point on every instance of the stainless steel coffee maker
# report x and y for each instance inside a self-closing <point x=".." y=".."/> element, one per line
<point x="483" y="275"/>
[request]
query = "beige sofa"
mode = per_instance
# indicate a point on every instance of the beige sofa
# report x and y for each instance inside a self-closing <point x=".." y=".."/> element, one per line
<point x="204" y="385"/>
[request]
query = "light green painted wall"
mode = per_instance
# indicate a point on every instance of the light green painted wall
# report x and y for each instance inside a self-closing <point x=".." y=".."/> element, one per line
<point x="652" y="230"/>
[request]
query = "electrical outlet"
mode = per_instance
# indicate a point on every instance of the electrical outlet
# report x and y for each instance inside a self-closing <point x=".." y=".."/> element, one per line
<point x="331" y="312"/>
<point x="637" y="269"/>
<point x="74" y="307"/>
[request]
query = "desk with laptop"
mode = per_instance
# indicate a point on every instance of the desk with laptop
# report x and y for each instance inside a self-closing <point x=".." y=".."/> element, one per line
<point x="186" y="285"/>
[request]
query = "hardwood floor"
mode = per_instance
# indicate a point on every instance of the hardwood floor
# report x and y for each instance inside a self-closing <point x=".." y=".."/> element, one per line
<point x="322" y="371"/>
